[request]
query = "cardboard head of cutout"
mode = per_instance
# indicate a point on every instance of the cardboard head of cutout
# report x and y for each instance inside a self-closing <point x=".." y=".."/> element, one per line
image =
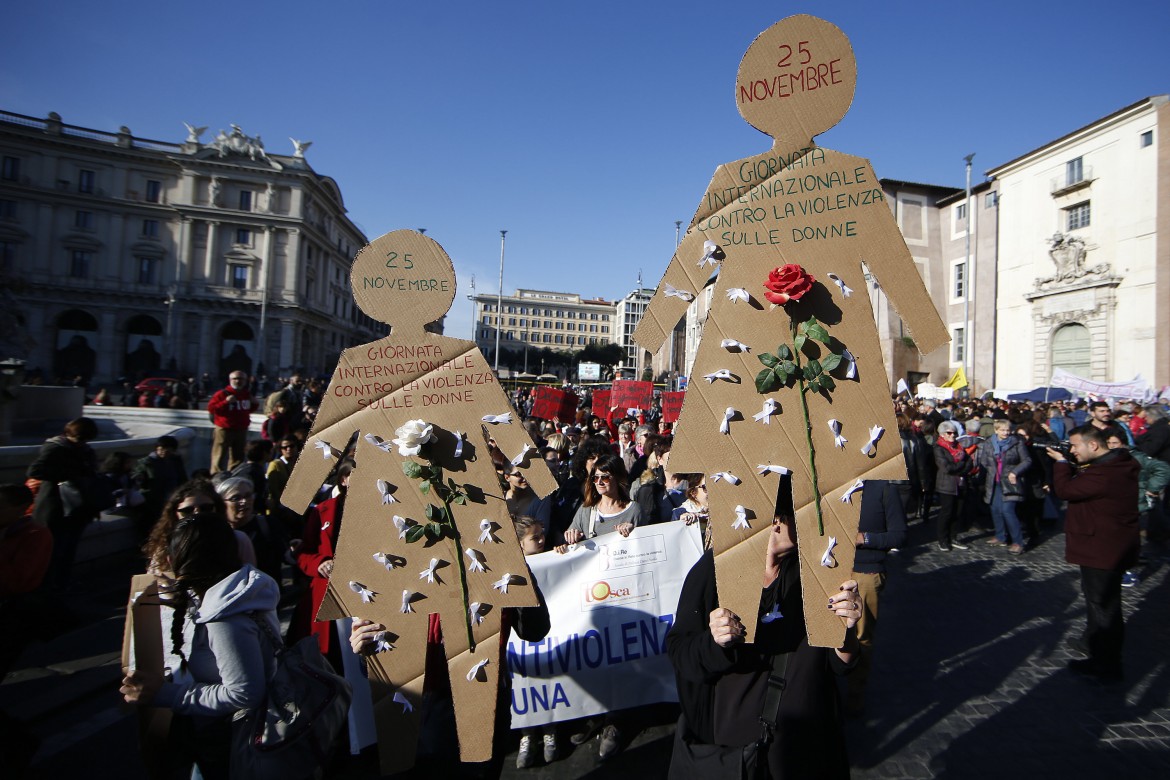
<point x="789" y="381"/>
<point x="426" y="531"/>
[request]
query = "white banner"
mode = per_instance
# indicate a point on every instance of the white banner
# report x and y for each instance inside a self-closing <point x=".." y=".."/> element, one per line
<point x="612" y="600"/>
<point x="1135" y="388"/>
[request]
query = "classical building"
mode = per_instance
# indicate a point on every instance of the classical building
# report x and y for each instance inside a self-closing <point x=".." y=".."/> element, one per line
<point x="535" y="319"/>
<point x="1084" y="253"/>
<point x="129" y="256"/>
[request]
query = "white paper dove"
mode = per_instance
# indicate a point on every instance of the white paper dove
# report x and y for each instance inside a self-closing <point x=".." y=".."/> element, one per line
<point x="725" y="426"/>
<point x="765" y="414"/>
<point x="503" y="582"/>
<point x="838" y="439"/>
<point x="406" y="597"/>
<point x="366" y="594"/>
<point x="875" y="433"/>
<point x="851" y="372"/>
<point x="429" y="572"/>
<point x="382" y="642"/>
<point x="326" y="450"/>
<point x="731" y="345"/>
<point x="485" y="532"/>
<point x="727" y="475"/>
<point x="519" y="459"/>
<point x="709" y="250"/>
<point x="671" y="292"/>
<point x="389" y="561"/>
<point x="384" y="489"/>
<point x="722" y="373"/>
<point x="741" y="521"/>
<point x="378" y="442"/>
<point x="399" y="698"/>
<point x="476" y="560"/>
<point x="737" y="294"/>
<point x="827" y="559"/>
<point x="768" y="468"/>
<point x="845" y="291"/>
<point x="403" y="525"/>
<point x="498" y="419"/>
<point x="474" y="672"/>
<point x="847" y="497"/>
<point x="459" y="444"/>
<point x="473" y="610"/>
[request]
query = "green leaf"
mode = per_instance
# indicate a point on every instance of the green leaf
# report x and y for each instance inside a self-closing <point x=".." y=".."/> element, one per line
<point x="768" y="359"/>
<point x="451" y="484"/>
<point x="425" y="486"/>
<point x="831" y="361"/>
<point x="766" y="381"/>
<point x="782" y="376"/>
<point x="799" y="341"/>
<point x="434" y="531"/>
<point x="814" y="386"/>
<point x="815" y="365"/>
<point x="820" y="334"/>
<point x="415" y="533"/>
<point x="784" y="352"/>
<point x="459" y="498"/>
<point x="411" y="469"/>
<point x="808" y="373"/>
<point x="827" y="382"/>
<point x="433" y="512"/>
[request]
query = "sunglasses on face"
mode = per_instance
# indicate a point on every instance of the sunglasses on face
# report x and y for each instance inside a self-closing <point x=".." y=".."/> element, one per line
<point x="602" y="478"/>
<point x="241" y="499"/>
<point x="195" y="509"/>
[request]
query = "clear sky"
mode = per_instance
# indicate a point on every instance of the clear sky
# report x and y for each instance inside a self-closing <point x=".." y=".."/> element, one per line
<point x="585" y="129"/>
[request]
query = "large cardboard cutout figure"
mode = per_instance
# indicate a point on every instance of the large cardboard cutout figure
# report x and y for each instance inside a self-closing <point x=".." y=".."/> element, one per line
<point x="419" y="403"/>
<point x="788" y="380"/>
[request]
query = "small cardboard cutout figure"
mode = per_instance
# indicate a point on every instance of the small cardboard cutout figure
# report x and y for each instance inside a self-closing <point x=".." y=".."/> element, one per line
<point x="420" y="401"/>
<point x="793" y="387"/>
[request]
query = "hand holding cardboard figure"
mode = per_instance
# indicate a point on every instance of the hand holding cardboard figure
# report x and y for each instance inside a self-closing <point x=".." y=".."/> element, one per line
<point x="791" y="228"/>
<point x="422" y="493"/>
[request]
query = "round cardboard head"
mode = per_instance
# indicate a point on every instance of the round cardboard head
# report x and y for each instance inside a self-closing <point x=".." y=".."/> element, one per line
<point x="403" y="279"/>
<point x="797" y="79"/>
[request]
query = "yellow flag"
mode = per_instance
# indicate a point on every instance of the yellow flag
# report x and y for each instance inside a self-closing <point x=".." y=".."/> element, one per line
<point x="957" y="380"/>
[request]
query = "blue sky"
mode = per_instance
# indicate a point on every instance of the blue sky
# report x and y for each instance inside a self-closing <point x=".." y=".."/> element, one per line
<point x="584" y="129"/>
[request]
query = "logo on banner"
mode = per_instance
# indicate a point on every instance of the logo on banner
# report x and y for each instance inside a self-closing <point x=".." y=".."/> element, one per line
<point x="613" y="591"/>
<point x="633" y="551"/>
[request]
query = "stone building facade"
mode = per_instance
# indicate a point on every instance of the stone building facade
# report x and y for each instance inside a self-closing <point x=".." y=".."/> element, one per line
<point x="129" y="257"/>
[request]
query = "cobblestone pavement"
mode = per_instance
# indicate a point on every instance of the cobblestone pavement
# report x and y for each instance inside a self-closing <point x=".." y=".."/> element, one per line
<point x="969" y="680"/>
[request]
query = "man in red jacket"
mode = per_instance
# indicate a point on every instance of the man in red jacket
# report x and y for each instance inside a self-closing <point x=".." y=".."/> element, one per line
<point x="1101" y="536"/>
<point x="231" y="411"/>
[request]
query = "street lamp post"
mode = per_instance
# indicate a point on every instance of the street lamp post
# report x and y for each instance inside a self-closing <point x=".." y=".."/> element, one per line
<point x="969" y="282"/>
<point x="500" y="303"/>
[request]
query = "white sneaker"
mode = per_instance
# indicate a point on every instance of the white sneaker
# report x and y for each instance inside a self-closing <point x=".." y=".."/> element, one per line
<point x="524" y="757"/>
<point x="550" y="748"/>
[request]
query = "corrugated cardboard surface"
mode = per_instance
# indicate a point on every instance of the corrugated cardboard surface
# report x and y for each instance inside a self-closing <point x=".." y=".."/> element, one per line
<point x="374" y="390"/>
<point x="824" y="210"/>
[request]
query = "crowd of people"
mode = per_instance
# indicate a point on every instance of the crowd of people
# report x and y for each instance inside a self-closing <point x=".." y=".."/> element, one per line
<point x="226" y="555"/>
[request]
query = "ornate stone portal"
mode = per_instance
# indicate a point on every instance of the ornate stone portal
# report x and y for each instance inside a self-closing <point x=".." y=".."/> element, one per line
<point x="1075" y="294"/>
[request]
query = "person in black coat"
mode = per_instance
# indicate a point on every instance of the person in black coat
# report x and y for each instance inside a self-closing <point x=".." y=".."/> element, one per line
<point x="707" y="648"/>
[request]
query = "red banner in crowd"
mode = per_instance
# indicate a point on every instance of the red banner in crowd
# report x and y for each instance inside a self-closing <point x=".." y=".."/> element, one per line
<point x="627" y="394"/>
<point x="601" y="404"/>
<point x="671" y="406"/>
<point x="551" y="403"/>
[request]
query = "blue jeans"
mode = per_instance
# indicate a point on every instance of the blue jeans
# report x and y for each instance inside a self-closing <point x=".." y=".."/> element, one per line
<point x="1003" y="514"/>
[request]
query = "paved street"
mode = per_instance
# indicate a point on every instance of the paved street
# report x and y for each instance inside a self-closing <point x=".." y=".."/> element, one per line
<point x="969" y="680"/>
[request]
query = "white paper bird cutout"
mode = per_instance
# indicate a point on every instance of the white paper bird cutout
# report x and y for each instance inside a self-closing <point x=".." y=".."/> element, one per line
<point x="765" y="414"/>
<point x="498" y="419"/>
<point x="725" y="426"/>
<point x="845" y="291"/>
<point x="403" y="525"/>
<point x="741" y="521"/>
<point x="827" y="559"/>
<point x="774" y="615"/>
<point x="366" y="594"/>
<point x="847" y="497"/>
<point x="503" y="582"/>
<point x="459" y="444"/>
<point x="485" y="532"/>
<point x="384" y="489"/>
<point x="474" y="673"/>
<point x="731" y="345"/>
<point x="709" y="250"/>
<point x="838" y="439"/>
<point x="326" y="450"/>
<point x="768" y="468"/>
<point x="406" y="597"/>
<point x="875" y="433"/>
<point x="382" y="642"/>
<point x="737" y="294"/>
<point x="473" y="610"/>
<point x="683" y="295"/>
<point x="519" y="459"/>
<point x="851" y="372"/>
<point x="378" y="442"/>
<point x="399" y="698"/>
<point x="476" y="560"/>
<point x="389" y="561"/>
<point x="429" y="572"/>
<point x="722" y="373"/>
<point x="727" y="475"/>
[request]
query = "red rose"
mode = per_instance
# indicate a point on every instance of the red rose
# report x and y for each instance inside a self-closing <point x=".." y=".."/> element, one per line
<point x="789" y="283"/>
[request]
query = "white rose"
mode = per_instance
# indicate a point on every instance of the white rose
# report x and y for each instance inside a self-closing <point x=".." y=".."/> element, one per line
<point x="412" y="436"/>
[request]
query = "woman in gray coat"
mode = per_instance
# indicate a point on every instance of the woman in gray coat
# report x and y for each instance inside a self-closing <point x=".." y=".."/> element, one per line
<point x="1004" y="459"/>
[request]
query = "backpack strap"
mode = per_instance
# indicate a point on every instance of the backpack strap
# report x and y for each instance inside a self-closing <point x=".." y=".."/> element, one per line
<point x="777" y="682"/>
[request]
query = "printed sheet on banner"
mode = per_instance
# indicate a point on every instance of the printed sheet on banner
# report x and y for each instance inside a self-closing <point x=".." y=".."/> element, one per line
<point x="612" y="600"/>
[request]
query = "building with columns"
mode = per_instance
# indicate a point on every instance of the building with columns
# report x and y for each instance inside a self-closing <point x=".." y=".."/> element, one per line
<point x="128" y="256"/>
<point x="539" y="319"/>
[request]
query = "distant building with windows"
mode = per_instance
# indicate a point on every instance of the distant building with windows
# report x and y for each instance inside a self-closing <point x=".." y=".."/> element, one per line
<point x="537" y="319"/>
<point x="628" y="313"/>
<point x="128" y="256"/>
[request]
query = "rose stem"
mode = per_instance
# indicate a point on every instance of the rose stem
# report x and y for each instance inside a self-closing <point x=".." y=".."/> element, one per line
<point x="462" y="570"/>
<point x="812" y="461"/>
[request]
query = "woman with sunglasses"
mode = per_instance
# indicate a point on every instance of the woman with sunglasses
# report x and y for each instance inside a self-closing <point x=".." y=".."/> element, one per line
<point x="953" y="463"/>
<point x="607" y="507"/>
<point x="268" y="539"/>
